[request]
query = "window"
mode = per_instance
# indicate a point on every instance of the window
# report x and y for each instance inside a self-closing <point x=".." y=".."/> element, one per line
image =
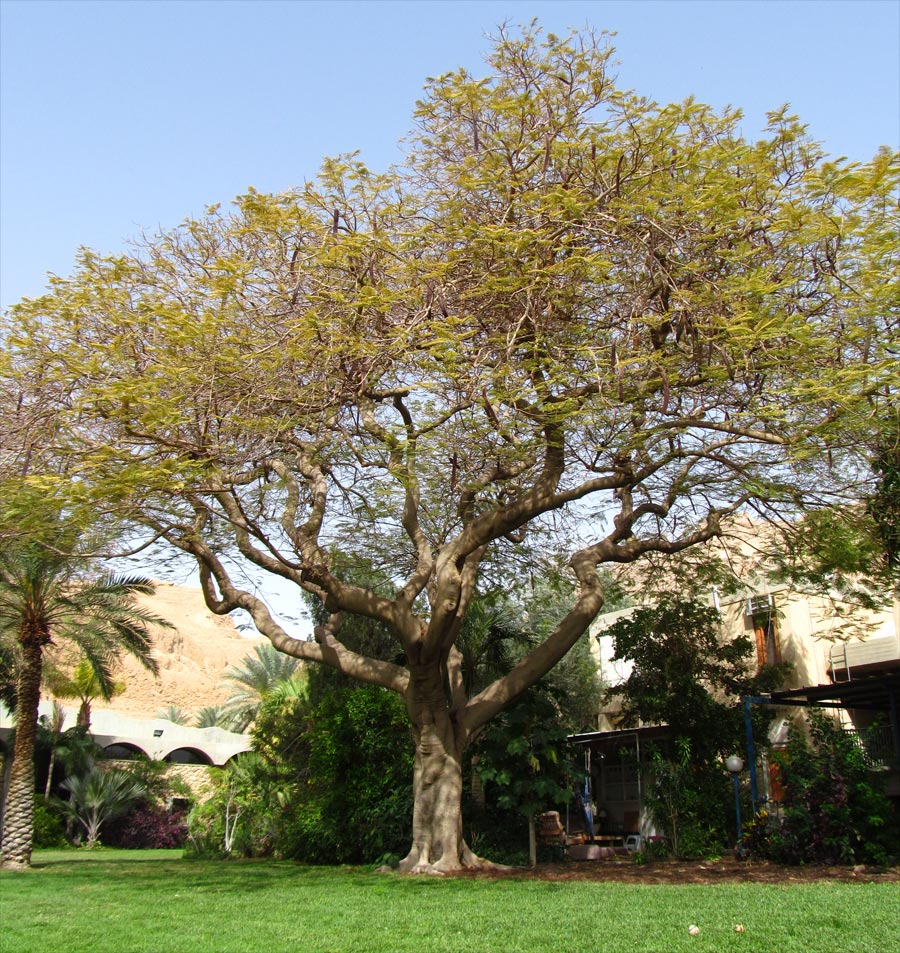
<point x="761" y="612"/>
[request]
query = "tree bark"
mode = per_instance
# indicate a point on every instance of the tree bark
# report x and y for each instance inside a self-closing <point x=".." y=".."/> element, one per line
<point x="438" y="844"/>
<point x="18" y="817"/>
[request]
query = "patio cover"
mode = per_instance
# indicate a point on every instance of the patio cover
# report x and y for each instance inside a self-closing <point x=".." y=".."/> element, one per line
<point x="870" y="693"/>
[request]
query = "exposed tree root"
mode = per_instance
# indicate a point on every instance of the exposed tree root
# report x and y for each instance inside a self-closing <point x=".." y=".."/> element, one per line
<point x="450" y="863"/>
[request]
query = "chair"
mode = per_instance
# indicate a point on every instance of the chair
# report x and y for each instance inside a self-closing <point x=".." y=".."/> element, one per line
<point x="550" y="830"/>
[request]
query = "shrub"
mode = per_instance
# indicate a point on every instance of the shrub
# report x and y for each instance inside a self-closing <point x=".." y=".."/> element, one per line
<point x="355" y="804"/>
<point x="834" y="810"/>
<point x="147" y="826"/>
<point x="49" y="826"/>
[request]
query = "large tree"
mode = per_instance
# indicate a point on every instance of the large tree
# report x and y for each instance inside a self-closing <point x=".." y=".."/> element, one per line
<point x="571" y="319"/>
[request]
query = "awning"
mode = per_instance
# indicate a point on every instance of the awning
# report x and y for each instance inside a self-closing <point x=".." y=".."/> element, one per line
<point x="869" y="693"/>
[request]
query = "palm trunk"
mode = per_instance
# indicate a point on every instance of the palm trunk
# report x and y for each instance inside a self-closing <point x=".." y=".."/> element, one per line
<point x="49" y="785"/>
<point x="18" y="818"/>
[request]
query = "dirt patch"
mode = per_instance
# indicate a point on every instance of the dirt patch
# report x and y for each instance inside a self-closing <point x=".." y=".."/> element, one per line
<point x="624" y="870"/>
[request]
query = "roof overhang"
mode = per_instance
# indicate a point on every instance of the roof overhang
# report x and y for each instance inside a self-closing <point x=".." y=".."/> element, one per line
<point x="620" y="735"/>
<point x="871" y="693"/>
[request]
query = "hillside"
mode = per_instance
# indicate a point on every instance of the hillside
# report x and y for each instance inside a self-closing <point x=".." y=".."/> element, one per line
<point x="191" y="657"/>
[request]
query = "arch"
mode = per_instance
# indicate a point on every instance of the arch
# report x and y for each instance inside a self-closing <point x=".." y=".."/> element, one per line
<point x="236" y="757"/>
<point x="188" y="756"/>
<point x="124" y="751"/>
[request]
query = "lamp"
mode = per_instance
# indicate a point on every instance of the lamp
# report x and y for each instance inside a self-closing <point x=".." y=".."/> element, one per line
<point x="735" y="765"/>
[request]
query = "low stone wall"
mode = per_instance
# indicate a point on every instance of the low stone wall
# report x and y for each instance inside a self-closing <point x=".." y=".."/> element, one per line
<point x="197" y="777"/>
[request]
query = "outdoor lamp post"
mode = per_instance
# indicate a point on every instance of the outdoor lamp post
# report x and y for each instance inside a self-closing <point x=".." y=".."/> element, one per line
<point x="735" y="765"/>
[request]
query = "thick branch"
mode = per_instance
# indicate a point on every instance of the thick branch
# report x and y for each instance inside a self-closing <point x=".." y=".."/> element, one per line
<point x="498" y="695"/>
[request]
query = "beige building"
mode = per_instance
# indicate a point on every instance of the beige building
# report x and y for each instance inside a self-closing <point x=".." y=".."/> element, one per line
<point x="843" y="658"/>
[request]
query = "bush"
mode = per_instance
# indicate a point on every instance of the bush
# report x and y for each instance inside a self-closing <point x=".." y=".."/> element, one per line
<point x="834" y="810"/>
<point x="245" y="813"/>
<point x="49" y="826"/>
<point x="147" y="826"/>
<point x="356" y="760"/>
<point x="691" y="804"/>
<point x="328" y="782"/>
<point x="501" y="835"/>
<point x="206" y="829"/>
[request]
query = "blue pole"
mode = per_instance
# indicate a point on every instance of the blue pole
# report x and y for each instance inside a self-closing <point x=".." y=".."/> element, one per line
<point x="737" y="813"/>
<point x="751" y="754"/>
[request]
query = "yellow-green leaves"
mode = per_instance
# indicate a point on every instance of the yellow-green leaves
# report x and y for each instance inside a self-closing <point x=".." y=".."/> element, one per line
<point x="565" y="291"/>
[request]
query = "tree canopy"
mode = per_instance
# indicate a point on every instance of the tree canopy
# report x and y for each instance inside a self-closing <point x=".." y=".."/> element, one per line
<point x="571" y="320"/>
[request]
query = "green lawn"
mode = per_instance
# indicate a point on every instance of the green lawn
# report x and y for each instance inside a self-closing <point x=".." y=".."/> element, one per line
<point x="153" y="901"/>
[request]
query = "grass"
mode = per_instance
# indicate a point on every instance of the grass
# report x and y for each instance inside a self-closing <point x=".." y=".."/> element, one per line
<point x="155" y="902"/>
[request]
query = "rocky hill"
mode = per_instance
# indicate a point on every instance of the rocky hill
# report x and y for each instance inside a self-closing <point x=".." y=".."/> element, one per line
<point x="192" y="657"/>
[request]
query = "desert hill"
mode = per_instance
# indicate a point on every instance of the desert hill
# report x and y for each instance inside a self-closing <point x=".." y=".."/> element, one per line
<point x="192" y="657"/>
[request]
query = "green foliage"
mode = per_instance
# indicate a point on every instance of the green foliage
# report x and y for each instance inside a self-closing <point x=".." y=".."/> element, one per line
<point x="253" y="679"/>
<point x="49" y="825"/>
<point x="178" y="716"/>
<point x="884" y="503"/>
<point x="328" y="783"/>
<point x="833" y="809"/>
<point x="242" y="817"/>
<point x="688" y="676"/>
<point x="491" y="638"/>
<point x="48" y="597"/>
<point x="159" y="783"/>
<point x="73" y="751"/>
<point x="521" y="756"/>
<point x="44" y="582"/>
<point x="98" y="796"/>
<point x="839" y="554"/>
<point x="522" y="762"/>
<point x="8" y="668"/>
<point x="82" y="683"/>
<point x="691" y="802"/>
<point x="573" y="682"/>
<point x="356" y="758"/>
<point x="214" y="716"/>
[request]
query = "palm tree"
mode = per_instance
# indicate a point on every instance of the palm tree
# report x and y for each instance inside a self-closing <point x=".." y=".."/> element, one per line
<point x="489" y="641"/>
<point x="257" y="676"/>
<point x="85" y="685"/>
<point x="53" y="726"/>
<point x="178" y="716"/>
<point x="100" y="796"/>
<point x="45" y="597"/>
<point x="213" y="716"/>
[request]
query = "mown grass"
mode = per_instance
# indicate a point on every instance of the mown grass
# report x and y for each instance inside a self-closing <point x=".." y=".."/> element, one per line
<point x="155" y="902"/>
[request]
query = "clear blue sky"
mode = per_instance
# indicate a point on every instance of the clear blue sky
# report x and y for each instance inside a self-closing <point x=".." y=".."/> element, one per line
<point x="122" y="116"/>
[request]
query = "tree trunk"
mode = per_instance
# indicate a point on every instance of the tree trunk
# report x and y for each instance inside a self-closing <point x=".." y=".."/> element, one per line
<point x="18" y="818"/>
<point x="438" y="844"/>
<point x="4" y="789"/>
<point x="49" y="786"/>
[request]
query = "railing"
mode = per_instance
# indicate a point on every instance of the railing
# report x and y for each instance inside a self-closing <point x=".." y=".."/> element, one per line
<point x="877" y="746"/>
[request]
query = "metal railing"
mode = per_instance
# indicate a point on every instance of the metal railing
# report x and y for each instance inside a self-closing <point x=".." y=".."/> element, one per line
<point x="877" y="746"/>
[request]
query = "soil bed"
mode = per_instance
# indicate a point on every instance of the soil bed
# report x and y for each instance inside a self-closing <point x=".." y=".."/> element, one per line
<point x="726" y="870"/>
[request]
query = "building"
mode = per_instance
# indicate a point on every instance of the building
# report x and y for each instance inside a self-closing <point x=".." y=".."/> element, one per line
<point x="843" y="658"/>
